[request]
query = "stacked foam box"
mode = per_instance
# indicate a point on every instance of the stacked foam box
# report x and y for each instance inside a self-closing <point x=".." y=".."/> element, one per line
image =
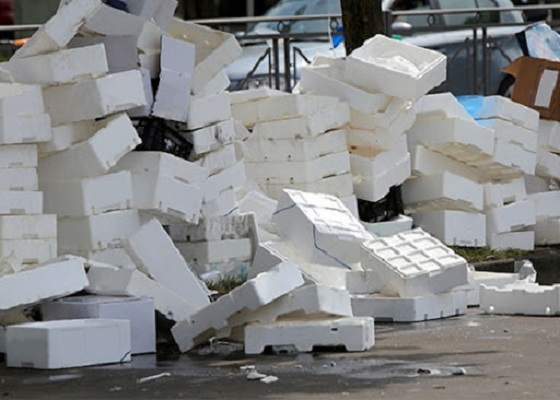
<point x="380" y="98"/>
<point x="218" y="247"/>
<point x="27" y="236"/>
<point x="412" y="277"/>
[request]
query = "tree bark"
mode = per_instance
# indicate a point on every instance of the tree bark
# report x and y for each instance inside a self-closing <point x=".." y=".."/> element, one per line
<point x="361" y="19"/>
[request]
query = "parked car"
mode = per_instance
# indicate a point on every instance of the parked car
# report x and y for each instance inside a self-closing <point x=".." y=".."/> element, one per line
<point x="466" y="68"/>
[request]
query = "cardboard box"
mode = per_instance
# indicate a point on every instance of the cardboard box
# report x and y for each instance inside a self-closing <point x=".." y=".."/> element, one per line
<point x="537" y="85"/>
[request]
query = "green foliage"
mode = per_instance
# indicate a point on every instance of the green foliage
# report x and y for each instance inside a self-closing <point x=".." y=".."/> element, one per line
<point x="480" y="254"/>
<point x="227" y="284"/>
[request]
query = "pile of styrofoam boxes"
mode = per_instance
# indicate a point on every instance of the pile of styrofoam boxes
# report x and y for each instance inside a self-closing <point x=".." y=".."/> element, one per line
<point x="410" y="276"/>
<point x="469" y="188"/>
<point x="380" y="81"/>
<point x="297" y="141"/>
<point x="27" y="236"/>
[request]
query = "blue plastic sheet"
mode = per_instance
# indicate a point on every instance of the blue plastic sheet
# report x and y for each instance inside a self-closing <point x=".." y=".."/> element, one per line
<point x="473" y="104"/>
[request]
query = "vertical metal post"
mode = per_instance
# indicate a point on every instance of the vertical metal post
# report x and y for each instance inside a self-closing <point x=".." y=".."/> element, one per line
<point x="388" y="22"/>
<point x="475" y="60"/>
<point x="276" y="60"/>
<point x="287" y="66"/>
<point x="250" y="5"/>
<point x="485" y="61"/>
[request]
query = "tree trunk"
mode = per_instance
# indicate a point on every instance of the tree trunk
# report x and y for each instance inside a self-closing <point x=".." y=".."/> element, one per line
<point x="361" y="19"/>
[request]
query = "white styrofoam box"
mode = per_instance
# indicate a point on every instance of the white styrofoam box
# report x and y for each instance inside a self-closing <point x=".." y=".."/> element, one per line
<point x="21" y="203"/>
<point x="363" y="282"/>
<point x="18" y="156"/>
<point x="257" y="292"/>
<point x="310" y="301"/>
<point x="331" y="117"/>
<point x="299" y="171"/>
<point x="144" y="111"/>
<point x="510" y="155"/>
<point x="60" y="29"/>
<point x="548" y="164"/>
<point x="414" y="264"/>
<point x="235" y="226"/>
<point x="351" y="203"/>
<point x="241" y="133"/>
<point x="65" y="66"/>
<point x="115" y="256"/>
<point x="371" y="142"/>
<point x="292" y="106"/>
<point x="502" y="107"/>
<point x="28" y="251"/>
<point x="371" y="165"/>
<point x="115" y="137"/>
<point x="549" y="135"/>
<point x="43" y="283"/>
<point x="440" y="106"/>
<point x="27" y="227"/>
<point x="217" y="84"/>
<point x="165" y="164"/>
<point x="25" y="129"/>
<point x="354" y="334"/>
<point x="64" y="136"/>
<point x="227" y="179"/>
<point x="150" y="38"/>
<point x="396" y="68"/>
<point x="91" y="196"/>
<point x="200" y="254"/>
<point x="376" y="187"/>
<point x="177" y="69"/>
<point x="320" y="227"/>
<point x="266" y="257"/>
<point x="546" y="204"/>
<point x="512" y="240"/>
<point x="221" y="159"/>
<point x="151" y="62"/>
<point x="19" y="179"/>
<point x="399" y="224"/>
<point x="428" y="162"/>
<point x="461" y="139"/>
<point x="110" y="281"/>
<point x="536" y="184"/>
<point x="262" y="206"/>
<point x="214" y="49"/>
<point x="97" y="232"/>
<point x="68" y="343"/>
<point x="443" y="191"/>
<point x="497" y="194"/>
<point x="495" y="279"/>
<point x="138" y="310"/>
<point x="254" y="95"/>
<point x="165" y="10"/>
<point x="212" y="137"/>
<point x="398" y="111"/>
<point x="547" y="232"/>
<point x="209" y="110"/>
<point x="340" y="186"/>
<point x="521" y="299"/>
<point x="2" y="340"/>
<point x="508" y="131"/>
<point x="454" y="228"/>
<point x="324" y="77"/>
<point x="109" y="21"/>
<point x="296" y="149"/>
<point x="512" y="217"/>
<point x="19" y="100"/>
<point x="165" y="265"/>
<point x="95" y="98"/>
<point x="121" y="52"/>
<point x="410" y="309"/>
<point x="224" y="204"/>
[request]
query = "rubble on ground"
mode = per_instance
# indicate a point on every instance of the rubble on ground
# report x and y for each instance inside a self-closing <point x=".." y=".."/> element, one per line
<point x="129" y="173"/>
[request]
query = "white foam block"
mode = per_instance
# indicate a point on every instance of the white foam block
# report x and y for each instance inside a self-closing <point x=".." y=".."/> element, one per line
<point x="21" y="203"/>
<point x="440" y="106"/>
<point x="547" y="232"/>
<point x="227" y="179"/>
<point x="203" y="254"/>
<point x="20" y="289"/>
<point x="177" y="69"/>
<point x="397" y="117"/>
<point x="165" y="10"/>
<point x="505" y="109"/>
<point x="521" y="299"/>
<point x="235" y="226"/>
<point x="536" y="184"/>
<point x="253" y="294"/>
<point x="396" y="68"/>
<point x="354" y="334"/>
<point x="322" y="229"/>
<point x="209" y="110"/>
<point x="292" y="106"/>
<point x="296" y="149"/>
<point x="97" y="232"/>
<point x="121" y="51"/>
<point x="443" y="191"/>
<point x="64" y="136"/>
<point x="512" y="217"/>
<point x="428" y="162"/>
<point x="511" y="155"/>
<point x="92" y="196"/>
<point x="414" y="264"/>
<point x="64" y="66"/>
<point x="166" y="264"/>
<point x="546" y="204"/>
<point x="18" y="156"/>
<point x="217" y="84"/>
<point x="95" y="98"/>
<point x="108" y="21"/>
<point x="501" y="193"/>
<point x="454" y="228"/>
<point x="112" y="281"/>
<point x="339" y="185"/>
<point x="549" y="135"/>
<point x="115" y="256"/>
<point x="25" y="129"/>
<point x="60" y="29"/>
<point x="19" y="179"/>
<point x="512" y="240"/>
<point x="28" y="251"/>
<point x="139" y="311"/>
<point x="299" y="171"/>
<point x="27" y="227"/>
<point x="224" y="204"/>
<point x="221" y="159"/>
<point x="399" y="224"/>
<point x="144" y="111"/>
<point x="116" y="137"/>
<point x="214" y="49"/>
<point x="508" y="131"/>
<point x="212" y="137"/>
<point x="68" y="343"/>
<point x="548" y="164"/>
<point x="410" y="309"/>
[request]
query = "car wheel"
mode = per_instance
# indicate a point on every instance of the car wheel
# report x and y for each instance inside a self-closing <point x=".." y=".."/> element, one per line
<point x="506" y="87"/>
